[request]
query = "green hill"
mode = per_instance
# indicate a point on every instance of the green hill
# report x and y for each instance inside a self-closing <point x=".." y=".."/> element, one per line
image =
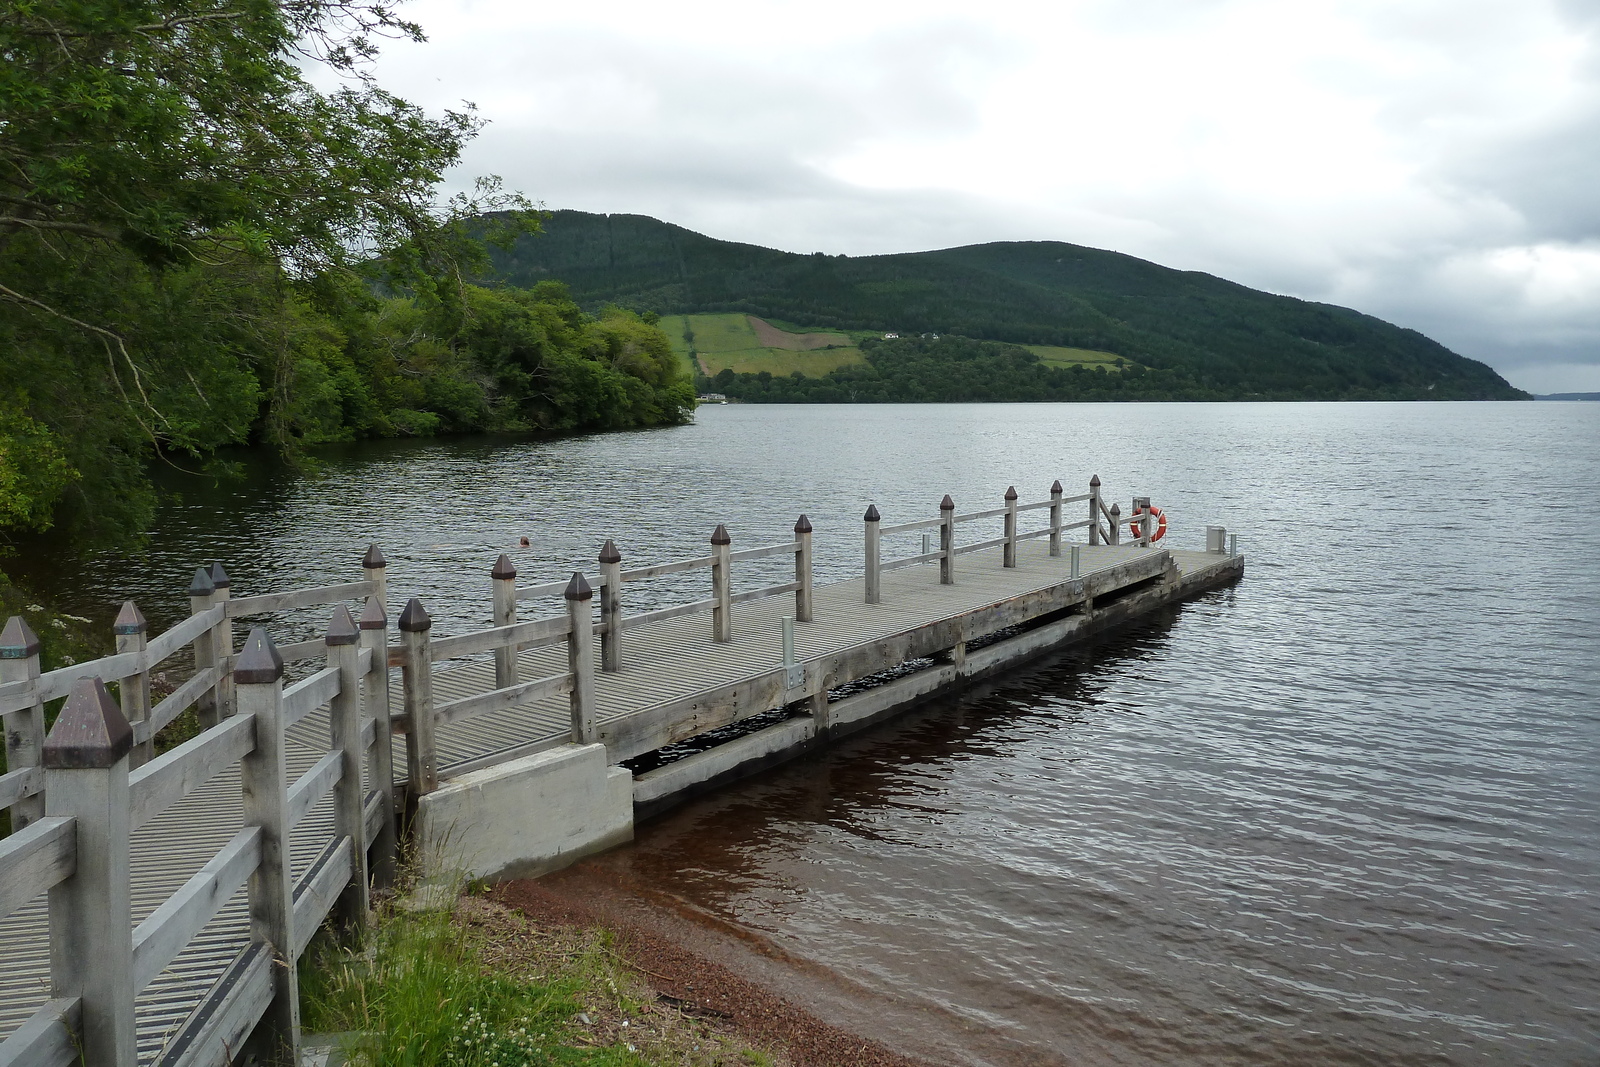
<point x="1197" y="336"/>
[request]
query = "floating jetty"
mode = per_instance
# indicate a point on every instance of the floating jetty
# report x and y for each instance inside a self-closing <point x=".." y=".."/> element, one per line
<point x="153" y="903"/>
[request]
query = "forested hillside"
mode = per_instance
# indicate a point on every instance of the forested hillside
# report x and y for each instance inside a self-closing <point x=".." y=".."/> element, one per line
<point x="1203" y="335"/>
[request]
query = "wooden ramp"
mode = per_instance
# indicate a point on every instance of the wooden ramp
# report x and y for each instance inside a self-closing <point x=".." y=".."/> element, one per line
<point x="674" y="682"/>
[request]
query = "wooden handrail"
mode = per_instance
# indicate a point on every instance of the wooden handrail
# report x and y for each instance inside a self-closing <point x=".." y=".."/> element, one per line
<point x="35" y="859"/>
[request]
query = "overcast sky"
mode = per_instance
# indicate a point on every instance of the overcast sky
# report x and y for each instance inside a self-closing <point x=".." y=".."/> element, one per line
<point x="1432" y="162"/>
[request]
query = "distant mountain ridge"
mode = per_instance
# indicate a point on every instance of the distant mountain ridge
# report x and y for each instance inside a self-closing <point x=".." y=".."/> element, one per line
<point x="1216" y="338"/>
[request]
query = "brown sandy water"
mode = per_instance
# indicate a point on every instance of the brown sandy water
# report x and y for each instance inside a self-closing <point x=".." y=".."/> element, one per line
<point x="1343" y="813"/>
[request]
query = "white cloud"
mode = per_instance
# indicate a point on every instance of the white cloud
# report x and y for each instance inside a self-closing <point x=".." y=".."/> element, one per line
<point x="1430" y="161"/>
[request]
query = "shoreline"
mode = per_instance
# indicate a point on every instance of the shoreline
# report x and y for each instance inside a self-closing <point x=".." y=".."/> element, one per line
<point x="736" y="983"/>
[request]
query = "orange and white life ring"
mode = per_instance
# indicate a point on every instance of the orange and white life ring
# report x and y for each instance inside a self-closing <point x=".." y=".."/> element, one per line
<point x="1136" y="524"/>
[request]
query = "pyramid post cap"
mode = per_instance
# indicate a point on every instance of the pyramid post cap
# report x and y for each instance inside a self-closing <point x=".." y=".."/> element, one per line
<point x="1011" y="492"/>
<point x="947" y="504"/>
<point x="802" y="525"/>
<point x="414" y="617"/>
<point x="1116" y="509"/>
<point x="202" y="584"/>
<point x="872" y="514"/>
<point x="719" y="536"/>
<point x="90" y="733"/>
<point x="504" y="569"/>
<point x="1055" y="487"/>
<point x="1094" y="479"/>
<point x="219" y="577"/>
<point x="259" y="663"/>
<point x="609" y="553"/>
<point x="374" y="560"/>
<point x="130" y="620"/>
<point x="578" y="588"/>
<point x="18" y="641"/>
<point x="373" y="617"/>
<point x="341" y="628"/>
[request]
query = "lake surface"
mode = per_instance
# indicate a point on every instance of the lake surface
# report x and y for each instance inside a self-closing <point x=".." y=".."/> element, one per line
<point x="1345" y="812"/>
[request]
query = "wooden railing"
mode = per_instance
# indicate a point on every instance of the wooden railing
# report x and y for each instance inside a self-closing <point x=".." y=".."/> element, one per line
<point x="419" y="651"/>
<point x="79" y="851"/>
<point x="948" y="521"/>
<point x="203" y="640"/>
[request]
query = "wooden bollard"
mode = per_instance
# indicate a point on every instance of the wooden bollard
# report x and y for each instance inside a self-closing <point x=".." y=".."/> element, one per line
<point x="1055" y="517"/>
<point x="222" y="641"/>
<point x="503" y="579"/>
<point x="416" y="667"/>
<point x="580" y="658"/>
<point x="374" y="627"/>
<point x="1094" y="509"/>
<point x="344" y="734"/>
<point x="264" y="778"/>
<point x="19" y="662"/>
<point x="722" y="586"/>
<point x="374" y="568"/>
<point x="947" y="541"/>
<point x="802" y="570"/>
<point x="85" y="761"/>
<point x="133" y="690"/>
<point x="1116" y="524"/>
<point x="873" y="576"/>
<point x="201" y="592"/>
<point x="610" y="607"/>
<point x="1009" y="556"/>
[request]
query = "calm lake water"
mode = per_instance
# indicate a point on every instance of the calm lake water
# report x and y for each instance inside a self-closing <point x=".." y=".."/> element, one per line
<point x="1345" y="812"/>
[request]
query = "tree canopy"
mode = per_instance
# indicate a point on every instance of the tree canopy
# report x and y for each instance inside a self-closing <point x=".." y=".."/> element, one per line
<point x="196" y="240"/>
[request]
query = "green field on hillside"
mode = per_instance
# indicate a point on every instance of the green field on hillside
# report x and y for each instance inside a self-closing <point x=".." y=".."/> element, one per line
<point x="732" y="342"/>
<point x="1056" y="356"/>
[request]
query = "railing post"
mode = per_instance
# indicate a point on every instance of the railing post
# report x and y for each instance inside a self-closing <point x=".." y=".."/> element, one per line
<point x="1116" y="524"/>
<point x="722" y="585"/>
<point x="222" y="641"/>
<point x="1094" y="509"/>
<point x="264" y="777"/>
<point x="19" y="662"/>
<point x="1055" y="517"/>
<point x="947" y="541"/>
<point x="610" y="607"/>
<point x="504" y="581"/>
<point x="133" y="690"/>
<point x="874" y="587"/>
<point x="1077" y="561"/>
<point x="1009" y="556"/>
<point x="416" y="673"/>
<point x="201" y="592"/>
<point x="374" y="626"/>
<point x="344" y="733"/>
<point x="802" y="570"/>
<point x="374" y="568"/>
<point x="85" y="762"/>
<point x="580" y="657"/>
<point x="1141" y="509"/>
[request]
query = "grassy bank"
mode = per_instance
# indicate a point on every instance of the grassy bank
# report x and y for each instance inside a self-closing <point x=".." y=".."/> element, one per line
<point x="476" y="985"/>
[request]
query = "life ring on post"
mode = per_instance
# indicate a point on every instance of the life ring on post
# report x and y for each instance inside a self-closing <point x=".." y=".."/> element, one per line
<point x="1136" y="524"/>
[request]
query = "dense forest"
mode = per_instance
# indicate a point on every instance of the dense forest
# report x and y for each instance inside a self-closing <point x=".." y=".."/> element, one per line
<point x="1201" y="335"/>
<point x="200" y="249"/>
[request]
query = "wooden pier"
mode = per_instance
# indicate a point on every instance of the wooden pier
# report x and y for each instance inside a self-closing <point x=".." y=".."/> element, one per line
<point x="151" y="906"/>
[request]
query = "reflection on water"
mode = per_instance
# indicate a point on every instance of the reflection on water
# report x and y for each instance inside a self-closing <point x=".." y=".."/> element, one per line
<point x="1342" y="813"/>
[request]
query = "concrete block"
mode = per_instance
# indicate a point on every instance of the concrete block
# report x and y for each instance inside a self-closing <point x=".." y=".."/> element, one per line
<point x="526" y="817"/>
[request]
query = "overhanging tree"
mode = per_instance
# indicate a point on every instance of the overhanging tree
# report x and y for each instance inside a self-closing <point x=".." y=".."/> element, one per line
<point x="173" y="191"/>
